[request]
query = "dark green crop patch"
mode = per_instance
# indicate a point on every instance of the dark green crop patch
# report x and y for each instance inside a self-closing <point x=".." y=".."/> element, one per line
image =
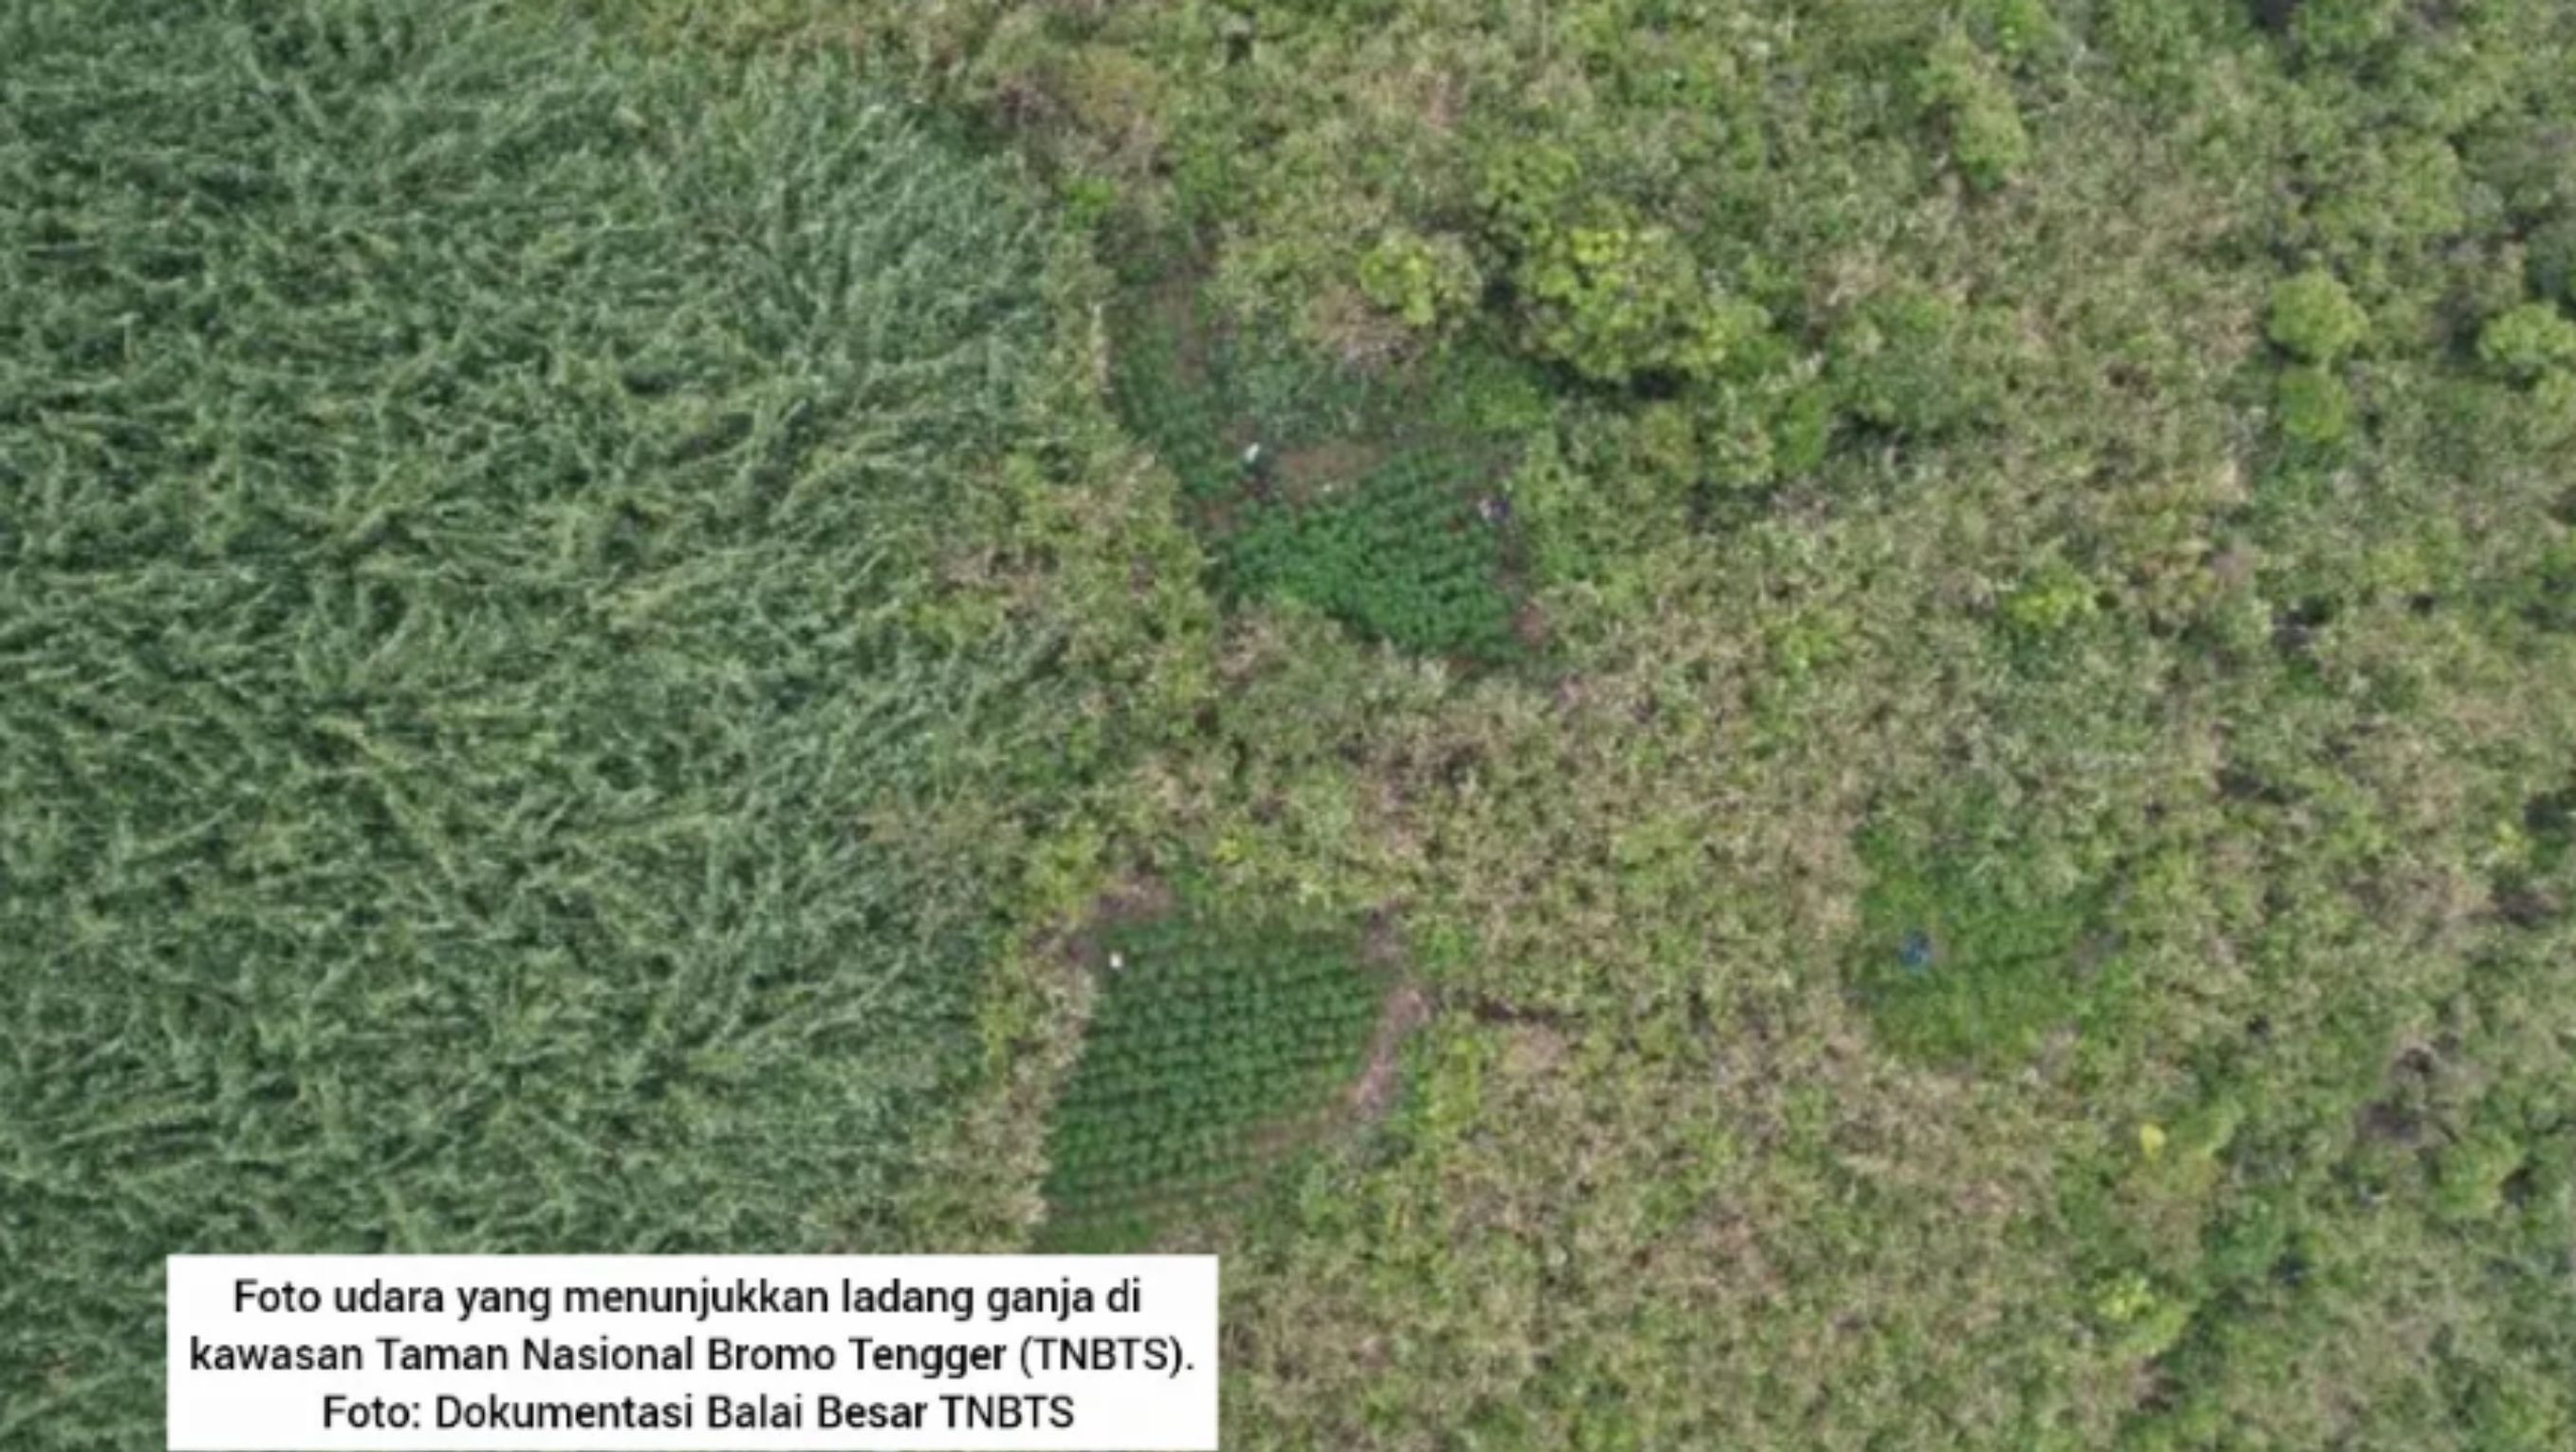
<point x="1375" y="498"/>
<point x="1220" y="1038"/>
<point x="1398" y="556"/>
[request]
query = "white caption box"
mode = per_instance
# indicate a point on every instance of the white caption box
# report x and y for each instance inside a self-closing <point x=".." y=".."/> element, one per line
<point x="277" y="1353"/>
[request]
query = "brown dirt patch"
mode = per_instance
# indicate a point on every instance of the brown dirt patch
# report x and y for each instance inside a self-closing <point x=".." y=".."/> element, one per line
<point x="1382" y="941"/>
<point x="1356" y="331"/>
<point x="1140" y="897"/>
<point x="1407" y="1008"/>
<point x="1308" y="472"/>
<point x="1533" y="1051"/>
<point x="1529" y="625"/>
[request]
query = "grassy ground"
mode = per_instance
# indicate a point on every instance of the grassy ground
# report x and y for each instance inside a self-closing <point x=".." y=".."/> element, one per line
<point x="2010" y="887"/>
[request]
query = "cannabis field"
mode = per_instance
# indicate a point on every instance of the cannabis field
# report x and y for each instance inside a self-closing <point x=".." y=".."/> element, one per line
<point x="1714" y="724"/>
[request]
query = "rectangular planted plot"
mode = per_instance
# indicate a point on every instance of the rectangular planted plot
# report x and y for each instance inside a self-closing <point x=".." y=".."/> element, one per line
<point x="1371" y="497"/>
<point x="1217" y="1044"/>
<point x="1401" y="556"/>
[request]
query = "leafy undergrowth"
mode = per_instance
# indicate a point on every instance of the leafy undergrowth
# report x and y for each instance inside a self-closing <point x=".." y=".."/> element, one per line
<point x="1964" y="955"/>
<point x="1219" y="1043"/>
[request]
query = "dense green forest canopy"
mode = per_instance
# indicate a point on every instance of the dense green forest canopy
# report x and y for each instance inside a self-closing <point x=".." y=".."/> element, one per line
<point x="1840" y="724"/>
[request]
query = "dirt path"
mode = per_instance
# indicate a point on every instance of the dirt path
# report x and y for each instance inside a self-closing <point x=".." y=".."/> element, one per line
<point x="1406" y="1009"/>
